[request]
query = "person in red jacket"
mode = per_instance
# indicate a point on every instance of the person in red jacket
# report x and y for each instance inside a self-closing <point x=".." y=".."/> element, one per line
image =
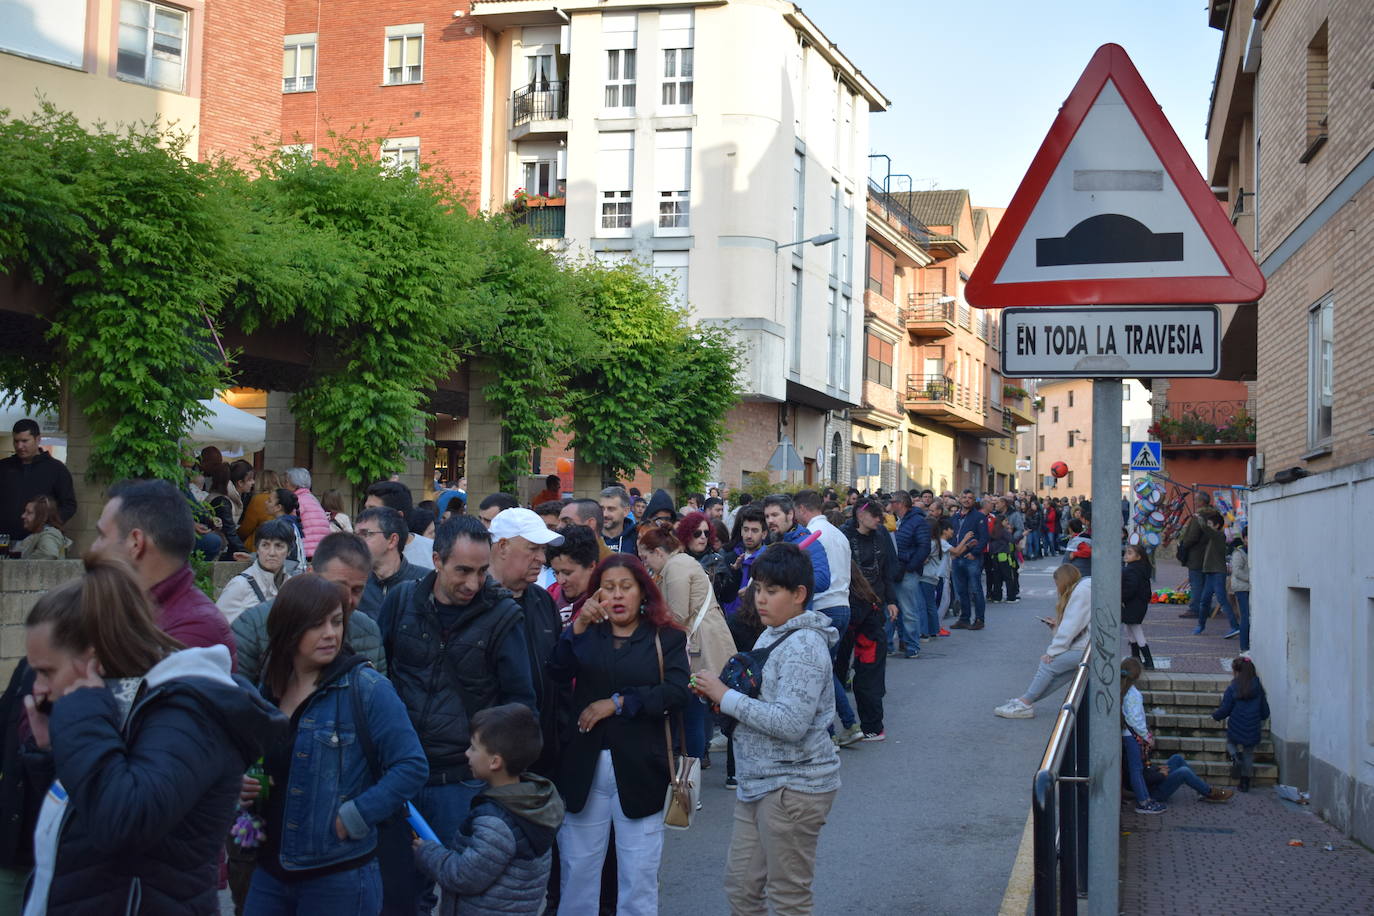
<point x="314" y="520"/>
<point x="148" y="523"/>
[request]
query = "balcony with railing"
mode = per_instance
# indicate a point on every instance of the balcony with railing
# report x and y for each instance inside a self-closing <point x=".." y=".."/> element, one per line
<point x="943" y="400"/>
<point x="1207" y="424"/>
<point x="544" y="222"/>
<point x="539" y="108"/>
<point x="929" y="315"/>
<point x="1018" y="403"/>
<point x="885" y="205"/>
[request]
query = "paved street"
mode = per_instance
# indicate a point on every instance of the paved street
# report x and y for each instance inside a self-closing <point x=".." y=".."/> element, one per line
<point x="930" y="820"/>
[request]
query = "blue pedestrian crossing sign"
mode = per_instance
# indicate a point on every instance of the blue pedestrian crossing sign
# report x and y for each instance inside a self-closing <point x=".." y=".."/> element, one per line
<point x="1145" y="456"/>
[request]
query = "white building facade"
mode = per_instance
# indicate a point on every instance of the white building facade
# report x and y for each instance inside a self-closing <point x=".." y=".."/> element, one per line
<point x="700" y="140"/>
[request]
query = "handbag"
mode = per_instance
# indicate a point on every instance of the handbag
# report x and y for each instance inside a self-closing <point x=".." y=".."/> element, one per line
<point x="684" y="773"/>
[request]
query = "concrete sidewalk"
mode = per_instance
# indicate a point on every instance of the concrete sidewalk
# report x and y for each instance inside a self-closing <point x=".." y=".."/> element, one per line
<point x="1235" y="858"/>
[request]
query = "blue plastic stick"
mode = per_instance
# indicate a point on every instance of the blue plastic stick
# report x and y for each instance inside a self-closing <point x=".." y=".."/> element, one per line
<point x="419" y="825"/>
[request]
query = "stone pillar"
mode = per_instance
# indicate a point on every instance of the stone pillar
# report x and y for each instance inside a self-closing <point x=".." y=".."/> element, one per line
<point x="586" y="479"/>
<point x="485" y="437"/>
<point x="90" y="495"/>
<point x="281" y="448"/>
<point x="661" y="474"/>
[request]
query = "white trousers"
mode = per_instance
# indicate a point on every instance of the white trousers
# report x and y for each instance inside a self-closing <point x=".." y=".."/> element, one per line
<point x="582" y="849"/>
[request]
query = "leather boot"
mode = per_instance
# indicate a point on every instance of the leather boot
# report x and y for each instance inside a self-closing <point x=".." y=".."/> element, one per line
<point x="1135" y="651"/>
<point x="1147" y="659"/>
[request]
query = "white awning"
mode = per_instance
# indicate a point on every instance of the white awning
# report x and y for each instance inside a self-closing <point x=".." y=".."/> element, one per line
<point x="229" y="429"/>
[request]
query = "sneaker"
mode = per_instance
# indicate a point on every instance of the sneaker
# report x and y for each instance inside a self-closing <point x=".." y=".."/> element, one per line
<point x="912" y="655"/>
<point x="1197" y="631"/>
<point x="1150" y="806"/>
<point x="1217" y="795"/>
<point x="1017" y="598"/>
<point x="731" y="782"/>
<point x="1232" y="635"/>
<point x="943" y="632"/>
<point x="1014" y="709"/>
<point x="977" y="625"/>
<point x="851" y="735"/>
<point x="719" y="743"/>
<point x="698" y="804"/>
<point x="959" y="625"/>
<point x="875" y="736"/>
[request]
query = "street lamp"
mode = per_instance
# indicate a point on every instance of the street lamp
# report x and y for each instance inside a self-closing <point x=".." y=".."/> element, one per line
<point x="817" y="240"/>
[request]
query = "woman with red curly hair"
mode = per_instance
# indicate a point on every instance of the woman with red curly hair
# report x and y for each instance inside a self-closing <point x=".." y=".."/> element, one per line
<point x="615" y="765"/>
<point x="701" y="542"/>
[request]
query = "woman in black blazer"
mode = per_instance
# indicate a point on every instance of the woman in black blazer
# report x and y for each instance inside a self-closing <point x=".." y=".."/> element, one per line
<point x="615" y="766"/>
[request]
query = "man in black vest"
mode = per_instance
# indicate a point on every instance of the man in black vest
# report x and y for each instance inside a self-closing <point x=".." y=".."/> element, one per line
<point x="455" y="644"/>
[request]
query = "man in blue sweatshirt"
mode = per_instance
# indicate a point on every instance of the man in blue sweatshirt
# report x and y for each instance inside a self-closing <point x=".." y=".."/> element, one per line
<point x="966" y="568"/>
<point x="782" y="526"/>
<point x="913" y="547"/>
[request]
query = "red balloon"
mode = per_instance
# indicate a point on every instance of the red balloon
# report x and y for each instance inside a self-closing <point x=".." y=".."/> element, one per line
<point x="1059" y="469"/>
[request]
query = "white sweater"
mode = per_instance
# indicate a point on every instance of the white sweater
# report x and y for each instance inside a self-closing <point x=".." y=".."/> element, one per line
<point x="1072" y="632"/>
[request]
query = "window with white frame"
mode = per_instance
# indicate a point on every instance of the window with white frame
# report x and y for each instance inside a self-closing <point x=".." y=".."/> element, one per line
<point x="401" y="154"/>
<point x="298" y="63"/>
<point x="152" y="44"/>
<point x="671" y="268"/>
<point x="798" y="193"/>
<point x="675" y="38"/>
<point x="1321" y="372"/>
<point x="405" y="54"/>
<point x="619" y="36"/>
<point x="615" y="181"/>
<point x="541" y="178"/>
<point x="50" y="30"/>
<point x="673" y="180"/>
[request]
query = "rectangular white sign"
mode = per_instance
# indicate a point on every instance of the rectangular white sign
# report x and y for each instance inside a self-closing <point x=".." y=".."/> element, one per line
<point x="1111" y="341"/>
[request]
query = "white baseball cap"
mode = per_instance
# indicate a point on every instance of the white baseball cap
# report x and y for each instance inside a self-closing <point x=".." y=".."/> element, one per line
<point x="522" y="523"/>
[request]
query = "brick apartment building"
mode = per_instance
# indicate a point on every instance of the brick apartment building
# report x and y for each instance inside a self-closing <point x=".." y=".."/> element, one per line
<point x="409" y="73"/>
<point x="1291" y="139"/>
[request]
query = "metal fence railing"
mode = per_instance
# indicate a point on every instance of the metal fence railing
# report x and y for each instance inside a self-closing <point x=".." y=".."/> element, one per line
<point x="1059" y="804"/>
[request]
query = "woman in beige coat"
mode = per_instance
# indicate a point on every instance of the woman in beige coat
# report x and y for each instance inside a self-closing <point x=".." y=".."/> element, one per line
<point x="690" y="597"/>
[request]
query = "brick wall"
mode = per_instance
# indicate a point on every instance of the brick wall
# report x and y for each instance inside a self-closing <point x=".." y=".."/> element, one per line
<point x="241" y="76"/>
<point x="1337" y="259"/>
<point x="444" y="111"/>
<point x="753" y="436"/>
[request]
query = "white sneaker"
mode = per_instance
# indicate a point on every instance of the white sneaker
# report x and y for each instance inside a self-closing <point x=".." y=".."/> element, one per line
<point x="719" y="742"/>
<point x="1015" y="709"/>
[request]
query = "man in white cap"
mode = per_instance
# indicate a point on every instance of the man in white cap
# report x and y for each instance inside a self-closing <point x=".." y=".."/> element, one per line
<point x="518" y="539"/>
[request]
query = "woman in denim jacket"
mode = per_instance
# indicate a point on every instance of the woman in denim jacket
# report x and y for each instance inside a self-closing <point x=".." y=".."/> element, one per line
<point x="324" y="799"/>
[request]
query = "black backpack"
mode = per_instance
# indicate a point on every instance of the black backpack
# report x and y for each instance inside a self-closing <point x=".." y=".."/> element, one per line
<point x="744" y="672"/>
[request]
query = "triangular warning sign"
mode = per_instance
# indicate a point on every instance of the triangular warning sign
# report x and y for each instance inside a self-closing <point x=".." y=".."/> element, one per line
<point x="1113" y="211"/>
<point x="1144" y="459"/>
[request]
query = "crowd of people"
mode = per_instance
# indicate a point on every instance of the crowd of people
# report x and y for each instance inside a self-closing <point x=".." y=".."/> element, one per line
<point x="478" y="707"/>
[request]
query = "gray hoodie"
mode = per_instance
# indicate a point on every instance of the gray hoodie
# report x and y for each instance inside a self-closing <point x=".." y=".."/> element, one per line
<point x="783" y="738"/>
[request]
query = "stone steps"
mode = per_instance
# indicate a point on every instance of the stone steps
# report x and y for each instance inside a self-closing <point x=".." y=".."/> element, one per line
<point x="1186" y="726"/>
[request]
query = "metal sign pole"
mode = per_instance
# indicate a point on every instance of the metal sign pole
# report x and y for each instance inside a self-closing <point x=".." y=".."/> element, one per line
<point x="1104" y="687"/>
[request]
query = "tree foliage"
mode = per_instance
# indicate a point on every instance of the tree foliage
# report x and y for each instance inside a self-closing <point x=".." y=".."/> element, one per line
<point x="385" y="281"/>
<point x="117" y="229"/>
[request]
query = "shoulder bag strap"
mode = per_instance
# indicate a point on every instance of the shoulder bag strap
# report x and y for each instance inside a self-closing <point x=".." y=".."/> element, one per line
<point x="667" y="732"/>
<point x="252" y="583"/>
<point x="696" y="620"/>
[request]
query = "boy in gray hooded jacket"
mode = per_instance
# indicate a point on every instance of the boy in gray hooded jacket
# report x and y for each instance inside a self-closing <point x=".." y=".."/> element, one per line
<point x="787" y="766"/>
<point x="500" y="860"/>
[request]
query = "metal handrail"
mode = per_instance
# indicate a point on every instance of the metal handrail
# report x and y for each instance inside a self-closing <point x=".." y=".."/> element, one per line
<point x="541" y="100"/>
<point x="1060" y="817"/>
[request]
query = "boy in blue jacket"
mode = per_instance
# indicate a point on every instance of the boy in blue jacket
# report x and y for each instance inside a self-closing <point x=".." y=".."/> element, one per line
<point x="913" y="547"/>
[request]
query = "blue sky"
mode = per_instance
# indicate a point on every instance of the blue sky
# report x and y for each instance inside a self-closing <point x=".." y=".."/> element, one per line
<point x="975" y="84"/>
